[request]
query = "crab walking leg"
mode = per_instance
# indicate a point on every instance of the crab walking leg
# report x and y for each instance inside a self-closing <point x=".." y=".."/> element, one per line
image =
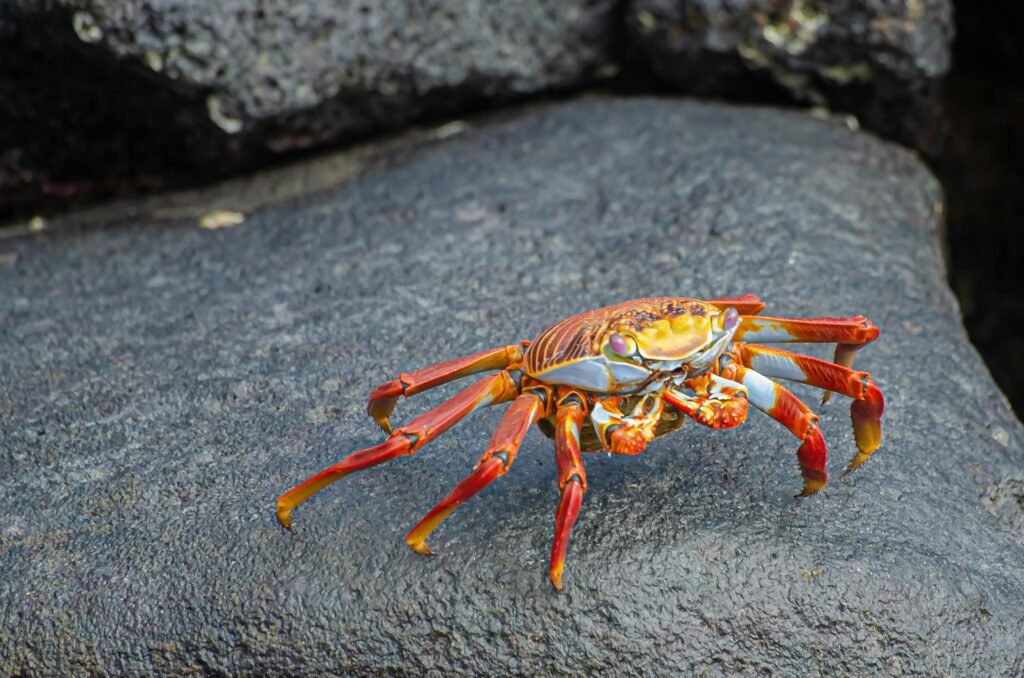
<point x="784" y="407"/>
<point x="497" y="388"/>
<point x="572" y="483"/>
<point x="868" y="404"/>
<point x="855" y="330"/>
<point x="385" y="397"/>
<point x="850" y="334"/>
<point x="746" y="304"/>
<point x="495" y="462"/>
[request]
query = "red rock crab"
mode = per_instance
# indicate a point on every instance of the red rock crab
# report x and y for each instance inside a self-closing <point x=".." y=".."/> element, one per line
<point x="614" y="379"/>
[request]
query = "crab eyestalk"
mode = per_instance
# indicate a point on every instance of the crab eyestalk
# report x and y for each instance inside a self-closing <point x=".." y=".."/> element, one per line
<point x="730" y="319"/>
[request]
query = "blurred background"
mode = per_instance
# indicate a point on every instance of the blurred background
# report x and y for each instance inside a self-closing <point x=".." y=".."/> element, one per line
<point x="105" y="99"/>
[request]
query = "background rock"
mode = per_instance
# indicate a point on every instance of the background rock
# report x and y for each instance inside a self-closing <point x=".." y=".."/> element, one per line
<point x="882" y="61"/>
<point x="982" y="175"/>
<point x="163" y="384"/>
<point x="94" y="93"/>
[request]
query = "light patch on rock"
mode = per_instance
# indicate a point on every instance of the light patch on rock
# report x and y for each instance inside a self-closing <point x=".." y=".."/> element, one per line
<point x="797" y="31"/>
<point x="221" y="219"/>
<point x="154" y="60"/>
<point x="808" y="575"/>
<point x="86" y="27"/>
<point x="220" y="118"/>
<point x="450" y="129"/>
<point x="331" y="385"/>
<point x="844" y="74"/>
<point x="798" y="84"/>
<point x="1000" y="435"/>
<point x="645" y="21"/>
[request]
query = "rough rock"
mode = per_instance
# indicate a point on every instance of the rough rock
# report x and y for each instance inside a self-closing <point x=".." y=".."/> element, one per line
<point x="163" y="383"/>
<point x="881" y="61"/>
<point x="981" y="174"/>
<point x="94" y="93"/>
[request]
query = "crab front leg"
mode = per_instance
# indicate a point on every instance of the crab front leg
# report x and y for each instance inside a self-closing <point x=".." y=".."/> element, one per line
<point x="850" y="334"/>
<point x="495" y="462"/>
<point x="384" y="398"/>
<point x="626" y="434"/>
<point x="572" y="479"/>
<point x="868" y="403"/>
<point x="791" y="412"/>
<point x="407" y="439"/>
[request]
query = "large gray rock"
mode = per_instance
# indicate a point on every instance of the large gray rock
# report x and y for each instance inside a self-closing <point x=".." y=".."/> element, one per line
<point x="95" y="92"/>
<point x="881" y="60"/>
<point x="162" y="384"/>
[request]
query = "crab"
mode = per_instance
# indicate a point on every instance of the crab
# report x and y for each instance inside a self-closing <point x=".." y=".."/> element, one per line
<point x="614" y="379"/>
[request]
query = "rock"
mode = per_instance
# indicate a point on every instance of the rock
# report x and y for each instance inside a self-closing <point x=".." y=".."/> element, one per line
<point x="97" y="92"/>
<point x="981" y="178"/>
<point x="882" y="61"/>
<point x="163" y="383"/>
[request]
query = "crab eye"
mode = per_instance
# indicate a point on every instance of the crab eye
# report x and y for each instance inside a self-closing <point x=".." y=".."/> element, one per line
<point x="732" y="318"/>
<point x="620" y="345"/>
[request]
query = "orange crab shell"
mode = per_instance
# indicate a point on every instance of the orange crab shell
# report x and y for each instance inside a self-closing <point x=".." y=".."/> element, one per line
<point x="572" y="352"/>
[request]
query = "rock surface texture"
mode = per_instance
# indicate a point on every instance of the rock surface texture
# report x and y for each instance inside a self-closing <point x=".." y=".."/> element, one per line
<point x="881" y="60"/>
<point x="105" y="90"/>
<point x="162" y="384"/>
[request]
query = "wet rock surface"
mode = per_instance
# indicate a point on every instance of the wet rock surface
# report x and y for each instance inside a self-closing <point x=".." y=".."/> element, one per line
<point x="883" y="61"/>
<point x="94" y="93"/>
<point x="162" y="384"/>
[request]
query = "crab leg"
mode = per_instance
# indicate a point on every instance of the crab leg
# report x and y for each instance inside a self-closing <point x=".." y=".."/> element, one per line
<point x="850" y="334"/>
<point x="385" y="397"/>
<point x="856" y="330"/>
<point x="495" y="462"/>
<point x="746" y="304"/>
<point x="572" y="482"/>
<point x="781" y="405"/>
<point x="407" y="439"/>
<point x="868" y="404"/>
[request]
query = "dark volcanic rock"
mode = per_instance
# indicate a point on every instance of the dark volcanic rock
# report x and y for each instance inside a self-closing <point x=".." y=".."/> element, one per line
<point x="162" y="384"/>
<point x="95" y="92"/>
<point x="982" y="174"/>
<point x="883" y="61"/>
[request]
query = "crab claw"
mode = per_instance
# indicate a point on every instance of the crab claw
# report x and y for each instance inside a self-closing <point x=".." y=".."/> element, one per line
<point x="866" y="415"/>
<point x="628" y="440"/>
<point x="722" y="414"/>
